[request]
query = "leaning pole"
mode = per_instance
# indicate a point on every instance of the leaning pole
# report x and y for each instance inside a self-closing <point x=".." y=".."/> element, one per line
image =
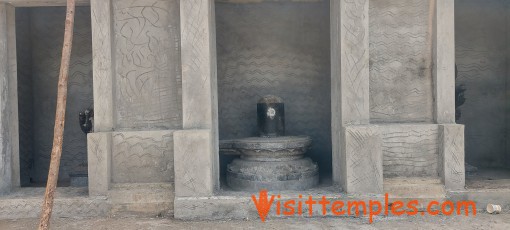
<point x="58" y="133"/>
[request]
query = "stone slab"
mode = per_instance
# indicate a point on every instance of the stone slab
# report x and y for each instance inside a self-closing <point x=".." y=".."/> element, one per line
<point x="194" y="175"/>
<point x="147" y="66"/>
<point x="70" y="202"/>
<point x="99" y="147"/>
<point x="451" y="148"/>
<point x="363" y="159"/>
<point x="401" y="82"/>
<point x="142" y="199"/>
<point x="142" y="157"/>
<point x="410" y="150"/>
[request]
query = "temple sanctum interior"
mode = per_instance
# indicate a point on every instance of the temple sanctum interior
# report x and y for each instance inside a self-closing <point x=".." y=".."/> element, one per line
<point x="185" y="108"/>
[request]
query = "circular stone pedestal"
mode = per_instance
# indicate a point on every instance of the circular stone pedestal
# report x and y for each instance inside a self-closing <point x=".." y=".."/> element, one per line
<point x="272" y="164"/>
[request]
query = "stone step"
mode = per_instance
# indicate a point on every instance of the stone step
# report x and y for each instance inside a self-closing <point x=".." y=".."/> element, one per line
<point x="142" y="199"/>
<point x="414" y="187"/>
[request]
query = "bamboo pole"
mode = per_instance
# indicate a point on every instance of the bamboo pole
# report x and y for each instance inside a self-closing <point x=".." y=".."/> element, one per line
<point x="58" y="132"/>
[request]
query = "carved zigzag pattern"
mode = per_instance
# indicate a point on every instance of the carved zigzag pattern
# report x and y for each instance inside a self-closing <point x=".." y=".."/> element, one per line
<point x="400" y="61"/>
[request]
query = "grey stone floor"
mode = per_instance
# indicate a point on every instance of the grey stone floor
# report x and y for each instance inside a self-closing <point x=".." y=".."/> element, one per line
<point x="481" y="221"/>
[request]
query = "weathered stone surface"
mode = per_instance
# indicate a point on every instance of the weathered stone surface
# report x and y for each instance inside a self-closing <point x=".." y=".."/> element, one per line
<point x="147" y="68"/>
<point x="5" y="146"/>
<point x="102" y="64"/>
<point x="401" y="83"/>
<point x="452" y="156"/>
<point x="410" y="150"/>
<point x="363" y="159"/>
<point x="99" y="147"/>
<point x="199" y="85"/>
<point x="13" y="95"/>
<point x="142" y="199"/>
<point x="194" y="175"/>
<point x="298" y="174"/>
<point x="142" y="157"/>
<point x="444" y="61"/>
<point x="349" y="75"/>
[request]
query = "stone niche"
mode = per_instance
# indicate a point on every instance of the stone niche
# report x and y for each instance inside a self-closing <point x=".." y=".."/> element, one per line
<point x="483" y="62"/>
<point x="39" y="37"/>
<point x="280" y="48"/>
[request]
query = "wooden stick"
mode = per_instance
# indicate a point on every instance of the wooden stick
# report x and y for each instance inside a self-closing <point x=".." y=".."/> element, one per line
<point x="58" y="132"/>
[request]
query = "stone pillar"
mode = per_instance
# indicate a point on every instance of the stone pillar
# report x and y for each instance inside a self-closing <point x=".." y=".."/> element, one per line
<point x="363" y="159"/>
<point x="101" y="13"/>
<point x="9" y="146"/>
<point x="349" y="76"/>
<point x="444" y="61"/>
<point x="199" y="97"/>
<point x="99" y="144"/>
<point x="451" y="156"/>
<point x="5" y="152"/>
<point x="13" y="94"/>
<point x="99" y="155"/>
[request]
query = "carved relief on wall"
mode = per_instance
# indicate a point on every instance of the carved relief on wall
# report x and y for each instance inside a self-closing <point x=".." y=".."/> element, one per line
<point x="147" y="60"/>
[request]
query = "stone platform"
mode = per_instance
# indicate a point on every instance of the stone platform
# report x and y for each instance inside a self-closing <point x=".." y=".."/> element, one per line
<point x="143" y="199"/>
<point x="275" y="164"/>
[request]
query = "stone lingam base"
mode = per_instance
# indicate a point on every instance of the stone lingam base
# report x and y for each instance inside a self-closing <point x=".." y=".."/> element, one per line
<point x="273" y="164"/>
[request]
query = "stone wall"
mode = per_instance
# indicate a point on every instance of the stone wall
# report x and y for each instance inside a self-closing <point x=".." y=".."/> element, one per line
<point x="147" y="89"/>
<point x="47" y="32"/>
<point x="482" y="41"/>
<point x="401" y="85"/>
<point x="281" y="49"/>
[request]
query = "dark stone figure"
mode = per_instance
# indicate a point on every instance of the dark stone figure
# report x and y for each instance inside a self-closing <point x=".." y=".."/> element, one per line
<point x="86" y="120"/>
<point x="271" y="116"/>
<point x="459" y="96"/>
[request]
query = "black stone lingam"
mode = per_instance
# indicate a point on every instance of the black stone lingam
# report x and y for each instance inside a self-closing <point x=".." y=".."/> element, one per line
<point x="271" y="161"/>
<point x="271" y="116"/>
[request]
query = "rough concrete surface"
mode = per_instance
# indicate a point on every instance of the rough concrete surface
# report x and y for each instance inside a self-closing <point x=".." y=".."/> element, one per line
<point x="481" y="221"/>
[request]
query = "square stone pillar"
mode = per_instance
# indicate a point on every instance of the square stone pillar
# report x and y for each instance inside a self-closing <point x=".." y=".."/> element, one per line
<point x="349" y="78"/>
<point x="444" y="61"/>
<point x="364" y="159"/>
<point x="199" y="89"/>
<point x="99" y="154"/>
<point x="194" y="171"/>
<point x="451" y="156"/>
<point x="9" y="146"/>
<point x="101" y="20"/>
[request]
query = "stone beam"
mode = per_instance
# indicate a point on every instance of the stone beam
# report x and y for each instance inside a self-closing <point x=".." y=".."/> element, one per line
<point x="199" y="82"/>
<point x="101" y="20"/>
<point x="349" y="74"/>
<point x="444" y="61"/>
